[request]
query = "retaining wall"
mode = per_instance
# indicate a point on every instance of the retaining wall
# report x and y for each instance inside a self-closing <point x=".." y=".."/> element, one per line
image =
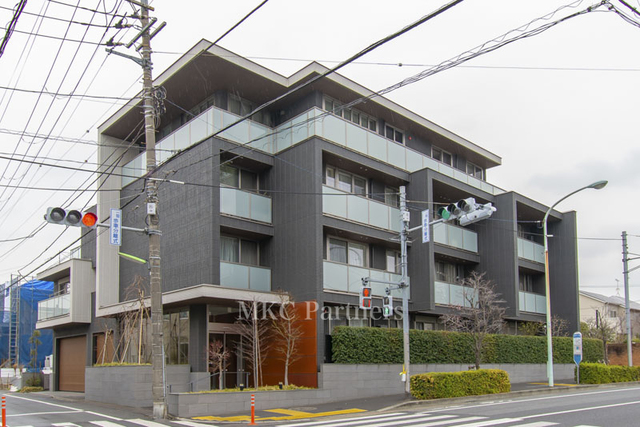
<point x="337" y="383"/>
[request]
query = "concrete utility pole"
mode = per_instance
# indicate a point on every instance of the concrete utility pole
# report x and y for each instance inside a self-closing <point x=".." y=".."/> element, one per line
<point x="404" y="284"/>
<point x="155" y="279"/>
<point x="625" y="273"/>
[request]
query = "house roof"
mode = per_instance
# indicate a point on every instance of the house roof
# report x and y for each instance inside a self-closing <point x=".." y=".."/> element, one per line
<point x="613" y="300"/>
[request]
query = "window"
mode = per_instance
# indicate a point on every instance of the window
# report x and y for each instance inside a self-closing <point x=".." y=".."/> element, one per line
<point x="238" y="178"/>
<point x="613" y="314"/>
<point x="449" y="273"/>
<point x="394" y="134"/>
<point x="345" y="181"/>
<point x="392" y="196"/>
<point x="394" y="262"/>
<point x="351" y="114"/>
<point x="348" y="252"/>
<point x="526" y="282"/>
<point x="441" y="155"/>
<point x="176" y="337"/>
<point x="474" y="171"/>
<point x="243" y="107"/>
<point x="233" y="249"/>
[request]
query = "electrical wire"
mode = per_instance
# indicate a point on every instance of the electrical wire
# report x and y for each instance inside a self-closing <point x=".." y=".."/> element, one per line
<point x="67" y="95"/>
<point x="65" y="20"/>
<point x="12" y="25"/>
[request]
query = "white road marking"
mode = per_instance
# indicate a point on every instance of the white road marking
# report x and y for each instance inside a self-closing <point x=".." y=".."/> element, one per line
<point x="105" y="424"/>
<point x="191" y="424"/>
<point x="489" y="423"/>
<point x="371" y="421"/>
<point x="65" y="425"/>
<point x="539" y="424"/>
<point x="318" y="423"/>
<point x="43" y="413"/>
<point x="11" y="396"/>
<point x="103" y="415"/>
<point x="591" y="408"/>
<point x="146" y="423"/>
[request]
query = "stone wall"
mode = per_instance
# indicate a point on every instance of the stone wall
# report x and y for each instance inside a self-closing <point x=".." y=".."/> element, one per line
<point x="338" y="383"/>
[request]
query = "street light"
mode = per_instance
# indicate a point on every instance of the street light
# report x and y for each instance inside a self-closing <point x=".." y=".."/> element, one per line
<point x="596" y="186"/>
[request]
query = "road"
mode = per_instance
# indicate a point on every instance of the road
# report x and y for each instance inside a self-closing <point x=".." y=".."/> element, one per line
<point x="33" y="410"/>
<point x="618" y="407"/>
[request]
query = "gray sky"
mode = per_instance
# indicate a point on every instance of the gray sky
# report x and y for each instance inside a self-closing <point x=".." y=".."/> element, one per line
<point x="557" y="107"/>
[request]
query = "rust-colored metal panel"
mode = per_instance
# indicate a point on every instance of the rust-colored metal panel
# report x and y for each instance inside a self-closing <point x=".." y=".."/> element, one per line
<point x="304" y="371"/>
<point x="71" y="363"/>
<point x="103" y="350"/>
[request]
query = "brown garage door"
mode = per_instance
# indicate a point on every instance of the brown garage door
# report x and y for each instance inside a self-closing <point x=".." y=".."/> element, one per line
<point x="71" y="363"/>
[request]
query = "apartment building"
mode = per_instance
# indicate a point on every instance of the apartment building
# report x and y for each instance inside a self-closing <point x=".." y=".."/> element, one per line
<point x="303" y="198"/>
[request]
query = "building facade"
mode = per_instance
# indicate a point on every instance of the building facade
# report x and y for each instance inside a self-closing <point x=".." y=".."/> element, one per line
<point x="303" y="198"/>
<point x="596" y="308"/>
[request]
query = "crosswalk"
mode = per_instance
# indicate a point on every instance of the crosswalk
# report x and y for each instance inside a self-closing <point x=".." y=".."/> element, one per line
<point x="403" y="419"/>
<point x="124" y="423"/>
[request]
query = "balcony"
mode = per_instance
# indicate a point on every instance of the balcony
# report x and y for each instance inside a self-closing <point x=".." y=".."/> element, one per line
<point x="359" y="209"/>
<point x="532" y="303"/>
<point x="242" y="276"/>
<point x="56" y="306"/>
<point x="452" y="294"/>
<point x="313" y="122"/>
<point x="530" y="251"/>
<point x="245" y="204"/>
<point x="456" y="237"/>
<point x="348" y="278"/>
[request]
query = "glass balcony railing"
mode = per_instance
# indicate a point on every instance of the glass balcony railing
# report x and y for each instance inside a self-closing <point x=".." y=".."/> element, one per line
<point x="530" y="250"/>
<point x="532" y="303"/>
<point x="348" y="278"/>
<point x="242" y="276"/>
<point x="452" y="294"/>
<point x="245" y="204"/>
<point x="456" y="237"/>
<point x="313" y="122"/>
<point x="56" y="306"/>
<point x="360" y="209"/>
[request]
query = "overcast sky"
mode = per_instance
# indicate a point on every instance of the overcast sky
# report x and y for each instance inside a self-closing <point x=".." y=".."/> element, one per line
<point x="560" y="107"/>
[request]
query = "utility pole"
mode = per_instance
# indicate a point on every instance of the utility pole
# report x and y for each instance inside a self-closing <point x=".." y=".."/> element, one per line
<point x="625" y="273"/>
<point x="155" y="279"/>
<point x="404" y="284"/>
<point x="151" y="189"/>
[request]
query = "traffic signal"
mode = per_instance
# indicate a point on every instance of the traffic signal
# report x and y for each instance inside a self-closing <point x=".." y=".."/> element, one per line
<point x="365" y="297"/>
<point x="467" y="211"/>
<point x="72" y="217"/>
<point x="387" y="306"/>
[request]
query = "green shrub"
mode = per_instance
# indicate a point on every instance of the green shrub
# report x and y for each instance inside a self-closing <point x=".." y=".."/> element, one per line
<point x="438" y="385"/>
<point x="381" y="345"/>
<point x="598" y="373"/>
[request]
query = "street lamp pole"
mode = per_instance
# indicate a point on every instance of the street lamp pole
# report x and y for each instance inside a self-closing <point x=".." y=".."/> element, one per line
<point x="596" y="186"/>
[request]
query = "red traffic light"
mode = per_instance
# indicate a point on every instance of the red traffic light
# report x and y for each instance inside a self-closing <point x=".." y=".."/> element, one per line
<point x="366" y="292"/>
<point x="89" y="220"/>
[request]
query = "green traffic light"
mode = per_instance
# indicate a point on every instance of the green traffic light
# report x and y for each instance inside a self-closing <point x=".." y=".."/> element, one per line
<point x="444" y="213"/>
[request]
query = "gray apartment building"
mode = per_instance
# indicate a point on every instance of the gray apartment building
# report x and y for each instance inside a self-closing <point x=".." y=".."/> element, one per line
<point x="303" y="198"/>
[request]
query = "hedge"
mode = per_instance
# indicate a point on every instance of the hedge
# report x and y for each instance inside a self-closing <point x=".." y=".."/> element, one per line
<point x="597" y="373"/>
<point x="382" y="345"/>
<point x="438" y="385"/>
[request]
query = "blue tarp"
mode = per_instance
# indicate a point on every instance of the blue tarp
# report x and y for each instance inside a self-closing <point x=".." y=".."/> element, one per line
<point x="30" y="294"/>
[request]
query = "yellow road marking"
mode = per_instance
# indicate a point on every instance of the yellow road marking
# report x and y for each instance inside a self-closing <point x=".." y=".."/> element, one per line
<point x="289" y="415"/>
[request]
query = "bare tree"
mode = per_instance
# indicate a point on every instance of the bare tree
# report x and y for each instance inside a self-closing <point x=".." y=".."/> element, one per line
<point x="530" y="328"/>
<point x="482" y="313"/>
<point x="601" y="329"/>
<point x="218" y="356"/>
<point x="132" y="323"/>
<point x="255" y="336"/>
<point x="559" y="326"/>
<point x="287" y="329"/>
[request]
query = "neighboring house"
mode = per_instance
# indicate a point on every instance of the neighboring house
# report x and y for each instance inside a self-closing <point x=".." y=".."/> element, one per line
<point x="303" y="198"/>
<point x="611" y="310"/>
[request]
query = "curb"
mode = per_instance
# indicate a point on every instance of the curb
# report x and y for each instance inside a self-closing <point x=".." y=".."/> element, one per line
<point x="506" y="396"/>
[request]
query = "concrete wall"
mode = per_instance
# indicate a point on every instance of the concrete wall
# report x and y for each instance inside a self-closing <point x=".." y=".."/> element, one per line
<point x="130" y="385"/>
<point x="338" y="383"/>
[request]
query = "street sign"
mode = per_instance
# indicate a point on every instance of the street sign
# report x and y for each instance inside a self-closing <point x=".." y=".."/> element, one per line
<point x="425" y="226"/>
<point x="115" y="227"/>
<point x="577" y="347"/>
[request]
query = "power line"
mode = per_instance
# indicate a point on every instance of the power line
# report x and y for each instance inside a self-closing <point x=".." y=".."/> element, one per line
<point x="69" y="21"/>
<point x="12" y="25"/>
<point x="66" y="95"/>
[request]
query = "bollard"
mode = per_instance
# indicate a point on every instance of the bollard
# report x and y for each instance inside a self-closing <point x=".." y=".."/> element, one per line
<point x="4" y="412"/>
<point x="253" y="410"/>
